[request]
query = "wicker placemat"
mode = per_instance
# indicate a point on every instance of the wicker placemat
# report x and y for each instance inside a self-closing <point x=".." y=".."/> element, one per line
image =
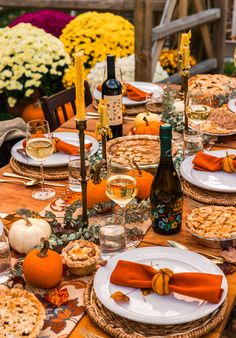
<point x="50" y="174"/>
<point x="208" y="197"/>
<point x="120" y="327"/>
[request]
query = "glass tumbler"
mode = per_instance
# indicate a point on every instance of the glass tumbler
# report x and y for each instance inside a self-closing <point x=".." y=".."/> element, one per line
<point x="193" y="142"/>
<point x="74" y="172"/>
<point x="112" y="235"/>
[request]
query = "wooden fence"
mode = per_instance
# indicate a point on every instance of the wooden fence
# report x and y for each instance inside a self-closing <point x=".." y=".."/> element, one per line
<point x="148" y="39"/>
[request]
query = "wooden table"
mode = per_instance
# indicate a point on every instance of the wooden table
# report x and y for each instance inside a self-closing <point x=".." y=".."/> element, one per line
<point x="15" y="196"/>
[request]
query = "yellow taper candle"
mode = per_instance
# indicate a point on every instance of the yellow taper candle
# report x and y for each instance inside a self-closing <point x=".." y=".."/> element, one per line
<point x="79" y="86"/>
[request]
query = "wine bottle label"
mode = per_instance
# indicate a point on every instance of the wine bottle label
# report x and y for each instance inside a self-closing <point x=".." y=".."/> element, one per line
<point x="114" y="108"/>
<point x="167" y="217"/>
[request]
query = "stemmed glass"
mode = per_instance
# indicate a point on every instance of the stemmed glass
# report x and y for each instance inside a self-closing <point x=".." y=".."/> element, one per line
<point x="121" y="187"/>
<point x="198" y="106"/>
<point x="39" y="146"/>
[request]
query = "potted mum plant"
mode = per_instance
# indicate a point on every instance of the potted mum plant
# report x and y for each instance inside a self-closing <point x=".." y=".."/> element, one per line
<point x="33" y="63"/>
<point x="98" y="34"/>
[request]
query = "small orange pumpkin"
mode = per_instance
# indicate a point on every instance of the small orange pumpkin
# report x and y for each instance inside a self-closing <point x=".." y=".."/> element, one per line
<point x="96" y="189"/>
<point x="144" y="182"/>
<point x="43" y="268"/>
<point x="149" y="128"/>
<point x="34" y="111"/>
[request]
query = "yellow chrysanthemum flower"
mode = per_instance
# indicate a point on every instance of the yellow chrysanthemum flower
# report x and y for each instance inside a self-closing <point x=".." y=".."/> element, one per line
<point x="97" y="34"/>
<point x="169" y="60"/>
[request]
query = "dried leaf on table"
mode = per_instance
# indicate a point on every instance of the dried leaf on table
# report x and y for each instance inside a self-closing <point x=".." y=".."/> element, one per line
<point x="118" y="296"/>
<point x="229" y="255"/>
<point x="57" y="297"/>
<point x="227" y="268"/>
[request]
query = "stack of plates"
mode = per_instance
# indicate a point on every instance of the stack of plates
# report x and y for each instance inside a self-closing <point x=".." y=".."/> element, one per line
<point x="155" y="309"/>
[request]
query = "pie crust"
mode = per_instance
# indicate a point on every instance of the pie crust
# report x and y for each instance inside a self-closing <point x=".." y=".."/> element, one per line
<point x="144" y="150"/>
<point x="21" y="314"/>
<point x="213" y="222"/>
<point x="214" y="83"/>
<point x="81" y="257"/>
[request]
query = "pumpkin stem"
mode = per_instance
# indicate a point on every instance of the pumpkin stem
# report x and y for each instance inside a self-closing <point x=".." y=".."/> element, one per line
<point x="27" y="221"/>
<point x="138" y="169"/>
<point x="96" y="178"/>
<point x="146" y="120"/>
<point x="44" y="251"/>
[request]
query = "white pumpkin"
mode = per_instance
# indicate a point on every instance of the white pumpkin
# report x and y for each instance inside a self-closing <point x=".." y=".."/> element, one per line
<point x="149" y="116"/>
<point x="25" y="235"/>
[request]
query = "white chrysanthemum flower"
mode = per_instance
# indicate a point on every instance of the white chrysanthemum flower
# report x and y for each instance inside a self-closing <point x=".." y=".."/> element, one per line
<point x="11" y="101"/>
<point x="28" y="55"/>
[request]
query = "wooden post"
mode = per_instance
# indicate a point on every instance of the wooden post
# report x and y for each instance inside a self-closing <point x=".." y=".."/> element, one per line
<point x="166" y="17"/>
<point x="219" y="33"/>
<point x="204" y="31"/>
<point x="183" y="8"/>
<point x="234" y="20"/>
<point x="143" y="40"/>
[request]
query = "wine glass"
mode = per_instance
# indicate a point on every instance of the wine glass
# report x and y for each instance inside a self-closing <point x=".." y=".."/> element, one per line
<point x="39" y="146"/>
<point x="198" y="106"/>
<point x="121" y="187"/>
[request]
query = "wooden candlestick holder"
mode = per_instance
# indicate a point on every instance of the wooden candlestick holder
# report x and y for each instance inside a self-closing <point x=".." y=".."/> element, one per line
<point x="81" y="126"/>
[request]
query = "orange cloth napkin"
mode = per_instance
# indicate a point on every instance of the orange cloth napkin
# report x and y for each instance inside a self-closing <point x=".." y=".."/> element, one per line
<point x="69" y="149"/>
<point x="205" y="162"/>
<point x="132" y="92"/>
<point x="192" y="284"/>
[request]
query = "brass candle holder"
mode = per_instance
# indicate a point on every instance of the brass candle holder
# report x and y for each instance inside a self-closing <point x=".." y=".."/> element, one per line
<point x="81" y="126"/>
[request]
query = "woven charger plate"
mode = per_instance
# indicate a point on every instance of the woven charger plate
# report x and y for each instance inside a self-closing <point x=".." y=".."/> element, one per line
<point x="50" y="174"/>
<point x="208" y="197"/>
<point x="121" y="327"/>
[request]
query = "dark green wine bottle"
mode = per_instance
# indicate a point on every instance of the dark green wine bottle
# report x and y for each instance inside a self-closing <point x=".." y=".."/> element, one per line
<point x="166" y="192"/>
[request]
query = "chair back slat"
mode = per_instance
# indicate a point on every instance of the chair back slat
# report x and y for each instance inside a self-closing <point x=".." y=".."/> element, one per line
<point x="50" y="105"/>
<point x="66" y="117"/>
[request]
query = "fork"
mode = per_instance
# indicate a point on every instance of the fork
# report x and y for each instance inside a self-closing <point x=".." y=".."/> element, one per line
<point x="88" y="334"/>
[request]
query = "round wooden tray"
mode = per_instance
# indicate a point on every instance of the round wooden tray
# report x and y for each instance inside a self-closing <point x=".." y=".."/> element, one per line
<point x="120" y="327"/>
<point x="50" y="174"/>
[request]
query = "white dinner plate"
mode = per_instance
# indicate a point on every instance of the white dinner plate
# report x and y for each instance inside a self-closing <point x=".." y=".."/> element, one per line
<point x="145" y="86"/>
<point x="155" y="309"/>
<point x="212" y="180"/>
<point x="56" y="159"/>
<point x="232" y="105"/>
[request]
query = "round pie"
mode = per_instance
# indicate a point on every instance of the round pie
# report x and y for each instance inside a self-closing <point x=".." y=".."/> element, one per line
<point x="21" y="314"/>
<point x="81" y="257"/>
<point x="144" y="150"/>
<point x="214" y="83"/>
<point x="215" y="222"/>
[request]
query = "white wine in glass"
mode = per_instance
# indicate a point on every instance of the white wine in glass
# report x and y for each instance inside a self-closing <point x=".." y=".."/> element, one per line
<point x="39" y="147"/>
<point x="121" y="187"/>
<point x="198" y="113"/>
<point x="198" y="106"/>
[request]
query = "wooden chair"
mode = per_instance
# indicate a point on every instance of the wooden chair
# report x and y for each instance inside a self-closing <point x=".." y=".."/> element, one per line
<point x="52" y="104"/>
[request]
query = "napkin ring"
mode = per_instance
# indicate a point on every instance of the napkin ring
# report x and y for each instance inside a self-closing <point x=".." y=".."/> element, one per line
<point x="160" y="281"/>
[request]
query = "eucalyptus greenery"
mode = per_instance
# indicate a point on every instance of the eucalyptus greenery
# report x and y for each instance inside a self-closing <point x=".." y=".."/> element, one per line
<point x="69" y="227"/>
